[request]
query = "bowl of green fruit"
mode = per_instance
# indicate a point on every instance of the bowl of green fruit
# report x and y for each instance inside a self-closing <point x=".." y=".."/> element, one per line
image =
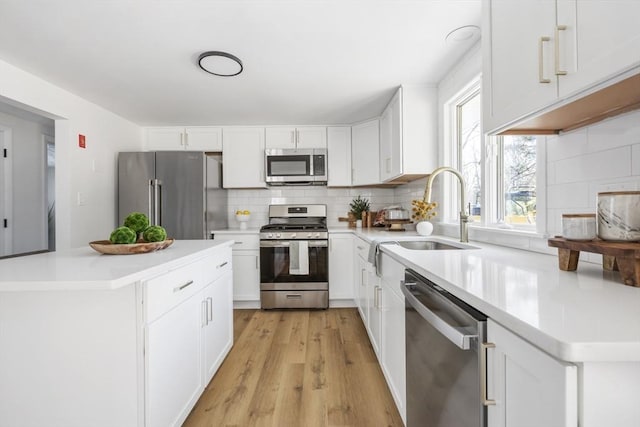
<point x="135" y="236"/>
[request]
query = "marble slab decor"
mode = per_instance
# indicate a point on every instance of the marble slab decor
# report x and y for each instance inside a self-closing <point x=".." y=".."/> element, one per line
<point x="619" y="216"/>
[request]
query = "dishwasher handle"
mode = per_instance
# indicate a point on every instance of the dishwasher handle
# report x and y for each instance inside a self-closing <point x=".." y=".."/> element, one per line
<point x="453" y="334"/>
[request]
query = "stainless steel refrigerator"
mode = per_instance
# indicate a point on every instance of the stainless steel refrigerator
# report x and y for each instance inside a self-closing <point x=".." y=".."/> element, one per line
<point x="179" y="190"/>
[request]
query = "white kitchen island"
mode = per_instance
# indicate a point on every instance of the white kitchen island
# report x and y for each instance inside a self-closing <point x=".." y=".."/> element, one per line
<point x="105" y="340"/>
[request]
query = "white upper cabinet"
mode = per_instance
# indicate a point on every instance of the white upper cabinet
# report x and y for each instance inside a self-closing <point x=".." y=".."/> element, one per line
<point x="408" y="129"/>
<point x="601" y="39"/>
<point x="243" y="157"/>
<point x="339" y="156"/>
<point x="540" y="52"/>
<point x="202" y="138"/>
<point x="296" y="137"/>
<point x="365" y="146"/>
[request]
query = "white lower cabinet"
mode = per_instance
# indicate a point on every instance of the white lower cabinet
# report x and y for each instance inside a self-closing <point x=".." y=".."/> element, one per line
<point x="246" y="265"/>
<point x="381" y="306"/>
<point x="172" y="364"/>
<point x="341" y="258"/>
<point x="188" y="331"/>
<point x="529" y="387"/>
<point x="393" y="350"/>
<point x="217" y="324"/>
<point x="361" y="278"/>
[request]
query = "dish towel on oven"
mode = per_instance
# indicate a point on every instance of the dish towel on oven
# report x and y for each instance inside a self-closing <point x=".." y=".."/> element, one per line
<point x="299" y="257"/>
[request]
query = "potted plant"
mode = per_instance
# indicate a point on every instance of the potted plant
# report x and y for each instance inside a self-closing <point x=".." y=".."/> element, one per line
<point x="422" y="212"/>
<point x="358" y="206"/>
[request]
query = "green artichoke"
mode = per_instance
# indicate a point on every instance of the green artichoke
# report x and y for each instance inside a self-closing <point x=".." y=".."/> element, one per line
<point x="136" y="221"/>
<point x="154" y="233"/>
<point x="123" y="235"/>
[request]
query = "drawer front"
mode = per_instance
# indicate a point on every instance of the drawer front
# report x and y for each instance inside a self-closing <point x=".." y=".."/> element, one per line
<point x="392" y="273"/>
<point x="294" y="299"/>
<point x="241" y="241"/>
<point x="164" y="292"/>
<point x="216" y="265"/>
<point x="362" y="248"/>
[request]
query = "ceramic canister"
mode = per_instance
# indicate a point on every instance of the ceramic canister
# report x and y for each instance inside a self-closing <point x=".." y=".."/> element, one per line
<point x="619" y="216"/>
<point x="579" y="226"/>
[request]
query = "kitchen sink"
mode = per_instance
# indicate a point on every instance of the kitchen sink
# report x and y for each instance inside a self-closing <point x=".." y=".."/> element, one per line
<point x="426" y="245"/>
<point x="429" y="245"/>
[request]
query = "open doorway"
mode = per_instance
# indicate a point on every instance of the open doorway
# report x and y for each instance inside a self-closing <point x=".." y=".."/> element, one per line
<point x="27" y="182"/>
<point x="50" y="190"/>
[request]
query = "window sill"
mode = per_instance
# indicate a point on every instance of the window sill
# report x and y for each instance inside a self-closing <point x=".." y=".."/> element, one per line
<point x="513" y="238"/>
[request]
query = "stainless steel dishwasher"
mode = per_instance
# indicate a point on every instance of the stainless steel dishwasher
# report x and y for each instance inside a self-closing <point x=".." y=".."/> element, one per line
<point x="446" y="374"/>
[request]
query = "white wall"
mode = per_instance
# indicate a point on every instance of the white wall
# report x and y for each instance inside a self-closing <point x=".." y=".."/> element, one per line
<point x="582" y="163"/>
<point x="27" y="155"/>
<point x="91" y="171"/>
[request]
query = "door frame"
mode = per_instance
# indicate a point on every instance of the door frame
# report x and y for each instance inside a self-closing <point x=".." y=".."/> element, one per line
<point x="6" y="196"/>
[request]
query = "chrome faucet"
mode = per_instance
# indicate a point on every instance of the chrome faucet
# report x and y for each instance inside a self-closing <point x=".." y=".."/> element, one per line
<point x="464" y="218"/>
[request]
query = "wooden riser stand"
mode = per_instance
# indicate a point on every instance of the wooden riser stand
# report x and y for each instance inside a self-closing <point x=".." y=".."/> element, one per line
<point x="616" y="256"/>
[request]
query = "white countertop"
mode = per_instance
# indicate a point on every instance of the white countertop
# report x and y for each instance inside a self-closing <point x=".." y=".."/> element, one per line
<point x="582" y="316"/>
<point x="86" y="269"/>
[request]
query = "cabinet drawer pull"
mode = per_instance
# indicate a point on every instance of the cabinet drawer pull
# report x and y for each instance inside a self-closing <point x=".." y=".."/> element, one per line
<point x="559" y="28"/>
<point x="483" y="373"/>
<point x="541" y="60"/>
<point x="222" y="265"/>
<point x="179" y="288"/>
<point x="294" y="296"/>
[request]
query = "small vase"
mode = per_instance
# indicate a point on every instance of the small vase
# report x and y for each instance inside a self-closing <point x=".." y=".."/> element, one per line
<point x="424" y="228"/>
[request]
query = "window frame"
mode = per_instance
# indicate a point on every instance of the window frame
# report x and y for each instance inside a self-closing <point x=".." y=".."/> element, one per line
<point x="492" y="170"/>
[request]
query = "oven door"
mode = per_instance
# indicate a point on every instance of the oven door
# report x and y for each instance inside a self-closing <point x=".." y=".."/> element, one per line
<point x="276" y="272"/>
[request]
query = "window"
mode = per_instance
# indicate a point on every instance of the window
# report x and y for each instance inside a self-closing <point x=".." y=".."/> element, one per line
<point x="500" y="172"/>
<point x="517" y="177"/>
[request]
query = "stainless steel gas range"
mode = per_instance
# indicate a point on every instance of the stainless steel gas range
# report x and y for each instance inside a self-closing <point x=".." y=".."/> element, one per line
<point x="294" y="257"/>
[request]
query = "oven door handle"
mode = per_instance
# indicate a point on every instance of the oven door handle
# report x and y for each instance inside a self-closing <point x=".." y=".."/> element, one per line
<point x="286" y="243"/>
<point x="452" y="333"/>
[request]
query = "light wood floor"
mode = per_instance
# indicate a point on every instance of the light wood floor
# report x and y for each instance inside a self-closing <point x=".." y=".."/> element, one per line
<point x="297" y="368"/>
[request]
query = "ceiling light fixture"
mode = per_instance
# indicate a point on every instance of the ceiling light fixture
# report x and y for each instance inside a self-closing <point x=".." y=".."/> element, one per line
<point x="220" y="63"/>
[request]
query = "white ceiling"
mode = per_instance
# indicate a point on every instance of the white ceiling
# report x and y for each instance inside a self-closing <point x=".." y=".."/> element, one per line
<point x="305" y="61"/>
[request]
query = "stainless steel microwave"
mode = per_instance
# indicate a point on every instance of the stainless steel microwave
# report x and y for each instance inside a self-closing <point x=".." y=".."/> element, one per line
<point x="296" y="167"/>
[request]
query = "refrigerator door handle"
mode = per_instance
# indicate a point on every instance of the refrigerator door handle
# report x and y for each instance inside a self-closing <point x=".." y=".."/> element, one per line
<point x="151" y="202"/>
<point x="157" y="199"/>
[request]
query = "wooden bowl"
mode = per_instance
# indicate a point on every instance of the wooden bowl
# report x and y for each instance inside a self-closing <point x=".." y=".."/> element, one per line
<point x="106" y="247"/>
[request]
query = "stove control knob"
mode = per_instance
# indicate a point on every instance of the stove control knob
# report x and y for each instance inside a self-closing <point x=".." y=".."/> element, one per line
<point x="317" y="234"/>
<point x="310" y="234"/>
<point x="293" y="235"/>
<point x="278" y="235"/>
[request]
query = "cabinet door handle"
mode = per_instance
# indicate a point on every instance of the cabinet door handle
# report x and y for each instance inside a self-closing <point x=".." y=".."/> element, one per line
<point x="181" y="287"/>
<point x="375" y="297"/>
<point x="483" y="373"/>
<point x="388" y="165"/>
<point x="541" y="60"/>
<point x="559" y="72"/>
<point x="257" y="262"/>
<point x="222" y="265"/>
<point x="362" y="272"/>
<point x="209" y="310"/>
<point x="204" y="320"/>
